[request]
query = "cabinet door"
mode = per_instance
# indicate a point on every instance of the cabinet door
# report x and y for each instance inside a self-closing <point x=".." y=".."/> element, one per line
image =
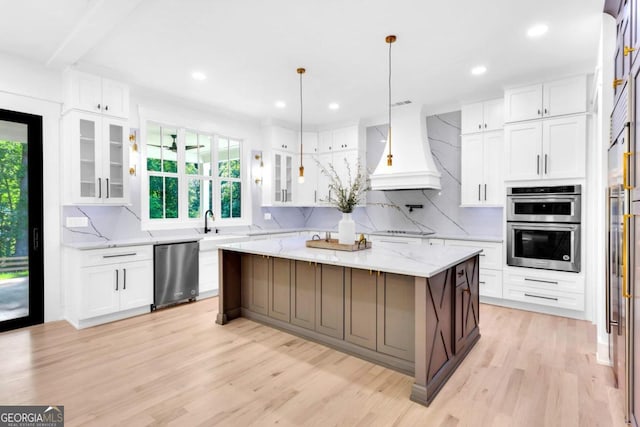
<point x="259" y="294"/>
<point x="279" y="288"/>
<point x="523" y="151"/>
<point x="346" y="165"/>
<point x="208" y="271"/>
<point x="283" y="139"/>
<point x="471" y="165"/>
<point x="493" y="114"/>
<point x="288" y="178"/>
<point x="303" y="295"/>
<point x="466" y="302"/>
<point x="278" y="184"/>
<point x="306" y="192"/>
<point x="490" y="283"/>
<point x="345" y="138"/>
<point x="86" y="92"/>
<point x="330" y="300"/>
<point x="323" y="193"/>
<point x="360" y="308"/>
<point x="115" y="98"/>
<point x="99" y="288"/>
<point x="472" y="118"/>
<point x="325" y="141"/>
<point x="396" y="319"/>
<point x="566" y="96"/>
<point x="564" y="146"/>
<point x="137" y="284"/>
<point x="524" y="103"/>
<point x="87" y="180"/>
<point x="492" y="160"/>
<point x="115" y="168"/>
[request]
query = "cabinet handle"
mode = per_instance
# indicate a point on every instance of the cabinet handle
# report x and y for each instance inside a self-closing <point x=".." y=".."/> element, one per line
<point x="124" y="278"/>
<point x="485" y="125"/>
<point x="539" y="113"/>
<point x="541" y="281"/>
<point x="116" y="279"/>
<point x="315" y="196"/>
<point x="625" y="280"/>
<point x="617" y="82"/>
<point x="625" y="170"/>
<point x="98" y="106"/>
<point x="478" y="192"/>
<point x="119" y="255"/>
<point x="546" y="111"/>
<point x="106" y="107"/>
<point x="107" y="188"/>
<point x="99" y="188"/>
<point x="538" y="165"/>
<point x="479" y="126"/>
<point x="36" y="239"/>
<point x="541" y="297"/>
<point x="485" y="192"/>
<point x="546" y="157"/>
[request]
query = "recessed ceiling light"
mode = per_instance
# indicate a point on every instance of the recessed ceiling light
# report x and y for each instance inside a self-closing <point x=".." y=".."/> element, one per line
<point x="537" y="30"/>
<point x="198" y="75"/>
<point x="334" y="106"/>
<point x="280" y="104"/>
<point x="478" y="70"/>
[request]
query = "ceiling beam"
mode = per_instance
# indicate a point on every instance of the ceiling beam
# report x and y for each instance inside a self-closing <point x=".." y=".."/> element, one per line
<point x="99" y="19"/>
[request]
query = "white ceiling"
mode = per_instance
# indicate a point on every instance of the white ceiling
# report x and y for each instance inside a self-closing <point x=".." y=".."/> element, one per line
<point x="250" y="49"/>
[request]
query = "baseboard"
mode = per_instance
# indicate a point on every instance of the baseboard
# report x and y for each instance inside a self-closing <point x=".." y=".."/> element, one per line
<point x="602" y="354"/>
<point x="518" y="305"/>
<point x="94" y="321"/>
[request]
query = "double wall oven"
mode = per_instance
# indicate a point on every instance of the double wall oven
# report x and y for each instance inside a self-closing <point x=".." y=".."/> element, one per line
<point x="543" y="227"/>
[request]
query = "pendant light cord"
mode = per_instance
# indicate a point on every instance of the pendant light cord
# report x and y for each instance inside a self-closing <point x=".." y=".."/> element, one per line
<point x="300" y="119"/>
<point x="390" y="39"/>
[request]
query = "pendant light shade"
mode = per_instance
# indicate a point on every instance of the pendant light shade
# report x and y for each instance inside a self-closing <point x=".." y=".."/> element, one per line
<point x="300" y="72"/>
<point x="390" y="40"/>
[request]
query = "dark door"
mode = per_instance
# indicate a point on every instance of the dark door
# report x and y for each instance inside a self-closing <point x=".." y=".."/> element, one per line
<point x="21" y="260"/>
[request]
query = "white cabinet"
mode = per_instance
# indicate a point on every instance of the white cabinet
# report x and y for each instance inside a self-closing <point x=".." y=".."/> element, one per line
<point x="542" y="287"/>
<point x="96" y="159"/>
<point x="282" y="139"/>
<point x="490" y="265"/>
<point x="306" y="192"/>
<point x="556" y="98"/>
<point x="95" y="94"/>
<point x="283" y="163"/>
<point x="107" y="284"/>
<point x="481" y="169"/>
<point x="282" y="186"/>
<point x="338" y="148"/>
<point x="547" y="149"/>
<point x="483" y="116"/>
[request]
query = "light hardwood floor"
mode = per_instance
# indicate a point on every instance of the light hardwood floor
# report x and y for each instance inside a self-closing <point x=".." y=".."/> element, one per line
<point x="176" y="367"/>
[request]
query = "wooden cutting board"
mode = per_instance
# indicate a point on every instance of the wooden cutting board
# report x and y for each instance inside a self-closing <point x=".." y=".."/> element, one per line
<point x="334" y="245"/>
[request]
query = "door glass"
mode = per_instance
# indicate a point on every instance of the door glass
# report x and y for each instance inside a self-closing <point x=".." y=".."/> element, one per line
<point x="543" y="208"/>
<point x="543" y="244"/>
<point x="116" y="161"/>
<point x="277" y="172"/>
<point x="87" y="158"/>
<point x="14" y="226"/>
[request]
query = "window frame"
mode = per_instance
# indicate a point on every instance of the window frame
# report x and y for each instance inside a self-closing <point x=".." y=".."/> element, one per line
<point x="183" y="220"/>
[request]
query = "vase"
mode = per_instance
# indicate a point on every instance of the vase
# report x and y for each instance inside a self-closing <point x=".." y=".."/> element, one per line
<point x="346" y="230"/>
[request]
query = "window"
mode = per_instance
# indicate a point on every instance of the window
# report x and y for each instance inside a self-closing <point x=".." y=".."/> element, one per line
<point x="190" y="172"/>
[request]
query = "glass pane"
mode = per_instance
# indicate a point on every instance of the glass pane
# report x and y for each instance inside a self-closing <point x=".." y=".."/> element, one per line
<point x="225" y="199"/>
<point x="543" y="244"/>
<point x="156" y="197"/>
<point x="194" y="198"/>
<point x="169" y="150"/>
<point x="154" y="148"/>
<point x="205" y="154"/>
<point x="207" y="199"/>
<point x="171" y="197"/>
<point x="14" y="218"/>
<point x="116" y="161"/>
<point x="234" y="159"/>
<point x="277" y="172"/>
<point x="236" y="207"/>
<point x="192" y="161"/>
<point x="223" y="157"/>
<point x="87" y="158"/>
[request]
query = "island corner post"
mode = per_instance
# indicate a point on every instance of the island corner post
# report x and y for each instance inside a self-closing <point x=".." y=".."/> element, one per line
<point x="445" y="319"/>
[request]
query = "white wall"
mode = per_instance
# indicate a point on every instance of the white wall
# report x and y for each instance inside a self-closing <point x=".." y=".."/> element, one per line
<point x="30" y="88"/>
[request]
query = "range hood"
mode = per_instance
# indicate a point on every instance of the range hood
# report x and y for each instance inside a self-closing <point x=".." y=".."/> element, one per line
<point x="413" y="166"/>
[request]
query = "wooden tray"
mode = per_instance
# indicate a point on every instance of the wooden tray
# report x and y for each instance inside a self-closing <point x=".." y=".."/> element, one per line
<point x="334" y="245"/>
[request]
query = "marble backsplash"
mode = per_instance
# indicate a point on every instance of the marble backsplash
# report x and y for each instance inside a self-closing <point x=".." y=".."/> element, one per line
<point x="384" y="210"/>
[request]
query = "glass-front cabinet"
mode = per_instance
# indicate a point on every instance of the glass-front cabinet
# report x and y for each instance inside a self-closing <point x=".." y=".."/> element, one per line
<point x="97" y="162"/>
<point x="282" y="177"/>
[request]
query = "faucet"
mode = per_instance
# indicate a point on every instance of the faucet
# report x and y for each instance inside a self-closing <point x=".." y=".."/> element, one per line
<point x="206" y="214"/>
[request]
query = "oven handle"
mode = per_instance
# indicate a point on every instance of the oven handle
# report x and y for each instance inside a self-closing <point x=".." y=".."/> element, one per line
<point x="569" y="198"/>
<point x="607" y="307"/>
<point x="625" y="252"/>
<point x="543" y="226"/>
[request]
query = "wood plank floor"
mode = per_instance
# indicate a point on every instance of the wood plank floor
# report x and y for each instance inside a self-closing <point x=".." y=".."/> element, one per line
<point x="176" y="367"/>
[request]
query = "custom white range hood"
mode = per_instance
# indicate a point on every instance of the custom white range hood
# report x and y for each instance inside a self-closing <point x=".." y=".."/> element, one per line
<point x="413" y="166"/>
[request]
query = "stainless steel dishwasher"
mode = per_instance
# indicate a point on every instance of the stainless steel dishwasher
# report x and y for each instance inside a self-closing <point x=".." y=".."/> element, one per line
<point x="175" y="273"/>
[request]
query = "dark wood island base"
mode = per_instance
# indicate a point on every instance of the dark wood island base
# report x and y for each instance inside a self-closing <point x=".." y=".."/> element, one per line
<point x="420" y="326"/>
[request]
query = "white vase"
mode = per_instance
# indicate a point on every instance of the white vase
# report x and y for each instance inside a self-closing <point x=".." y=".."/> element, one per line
<point x="346" y="230"/>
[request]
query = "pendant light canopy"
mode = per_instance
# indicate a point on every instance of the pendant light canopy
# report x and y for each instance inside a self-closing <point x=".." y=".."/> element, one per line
<point x="390" y="40"/>
<point x="301" y="71"/>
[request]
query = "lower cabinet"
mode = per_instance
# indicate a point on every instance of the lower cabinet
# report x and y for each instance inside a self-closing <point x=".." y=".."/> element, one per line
<point x="330" y="291"/>
<point x="361" y="308"/>
<point x="279" y="290"/>
<point x="396" y="316"/>
<point x="303" y="295"/>
<point x="107" y="284"/>
<point x="466" y="302"/>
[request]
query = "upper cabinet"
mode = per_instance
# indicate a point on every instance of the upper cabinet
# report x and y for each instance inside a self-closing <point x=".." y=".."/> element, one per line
<point x="481" y="169"/>
<point x="556" y="98"/>
<point x="483" y="116"/>
<point x="87" y="92"/>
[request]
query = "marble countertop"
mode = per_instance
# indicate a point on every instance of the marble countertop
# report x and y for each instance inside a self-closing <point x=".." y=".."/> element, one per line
<point x="132" y="242"/>
<point x="418" y="260"/>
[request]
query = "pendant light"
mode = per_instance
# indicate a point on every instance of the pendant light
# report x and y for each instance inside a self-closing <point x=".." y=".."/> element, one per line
<point x="390" y="39"/>
<point x="301" y="71"/>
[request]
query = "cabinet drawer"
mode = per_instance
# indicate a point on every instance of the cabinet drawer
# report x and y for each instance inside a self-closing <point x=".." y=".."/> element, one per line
<point x="544" y="281"/>
<point x="569" y="300"/>
<point x="116" y="255"/>
<point x="491" y="256"/>
<point x="395" y="239"/>
<point x="490" y="282"/>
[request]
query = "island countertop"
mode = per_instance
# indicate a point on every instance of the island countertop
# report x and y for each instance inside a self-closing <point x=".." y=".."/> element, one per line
<point x="413" y="260"/>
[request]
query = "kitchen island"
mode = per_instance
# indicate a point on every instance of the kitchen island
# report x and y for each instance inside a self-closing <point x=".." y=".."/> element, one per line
<point x="412" y="308"/>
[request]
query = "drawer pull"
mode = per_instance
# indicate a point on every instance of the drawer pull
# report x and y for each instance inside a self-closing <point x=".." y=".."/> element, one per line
<point x="482" y="254"/>
<point x="460" y="273"/>
<point x="116" y="280"/>
<point x="541" y="281"/>
<point x="119" y="255"/>
<point x="483" y="283"/>
<point x="540" y="296"/>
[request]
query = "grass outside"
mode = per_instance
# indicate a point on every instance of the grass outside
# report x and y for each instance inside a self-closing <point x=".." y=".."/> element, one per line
<point x="14" y="274"/>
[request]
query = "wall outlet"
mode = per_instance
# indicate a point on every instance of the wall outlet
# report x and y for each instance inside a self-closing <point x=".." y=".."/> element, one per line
<point x="77" y="221"/>
<point x="267" y="215"/>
